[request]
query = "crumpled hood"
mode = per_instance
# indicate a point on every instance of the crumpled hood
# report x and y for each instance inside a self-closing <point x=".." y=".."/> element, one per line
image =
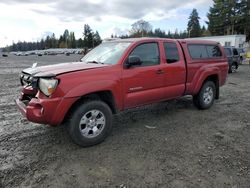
<point x="53" y="70"/>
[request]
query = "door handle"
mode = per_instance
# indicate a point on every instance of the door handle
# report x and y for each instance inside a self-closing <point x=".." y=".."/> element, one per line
<point x="160" y="71"/>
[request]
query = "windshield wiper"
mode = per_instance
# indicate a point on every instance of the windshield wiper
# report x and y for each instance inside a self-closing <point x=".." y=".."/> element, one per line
<point x="96" y="62"/>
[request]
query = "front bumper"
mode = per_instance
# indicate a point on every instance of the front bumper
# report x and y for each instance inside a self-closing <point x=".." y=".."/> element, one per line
<point x="45" y="111"/>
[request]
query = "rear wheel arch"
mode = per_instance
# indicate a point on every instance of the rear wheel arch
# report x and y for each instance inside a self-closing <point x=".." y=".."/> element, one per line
<point x="205" y="98"/>
<point x="215" y="79"/>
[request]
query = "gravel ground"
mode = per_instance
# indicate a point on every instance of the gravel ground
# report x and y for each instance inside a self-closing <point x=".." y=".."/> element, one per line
<point x="170" y="144"/>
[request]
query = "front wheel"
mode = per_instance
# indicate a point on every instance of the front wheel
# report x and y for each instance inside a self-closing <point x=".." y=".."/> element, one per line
<point x="90" y="123"/>
<point x="205" y="98"/>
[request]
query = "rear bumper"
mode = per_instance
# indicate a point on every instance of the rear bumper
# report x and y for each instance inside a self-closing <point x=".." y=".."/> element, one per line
<point x="45" y="111"/>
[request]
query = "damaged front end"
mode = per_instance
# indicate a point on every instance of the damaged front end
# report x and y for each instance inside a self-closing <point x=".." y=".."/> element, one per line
<point x="30" y="87"/>
<point x="36" y="102"/>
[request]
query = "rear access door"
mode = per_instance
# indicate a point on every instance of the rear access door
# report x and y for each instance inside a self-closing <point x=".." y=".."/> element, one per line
<point x="174" y="68"/>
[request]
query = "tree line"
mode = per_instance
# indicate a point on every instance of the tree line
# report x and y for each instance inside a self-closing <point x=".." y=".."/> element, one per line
<point x="143" y="28"/>
<point x="225" y="17"/>
<point x="90" y="39"/>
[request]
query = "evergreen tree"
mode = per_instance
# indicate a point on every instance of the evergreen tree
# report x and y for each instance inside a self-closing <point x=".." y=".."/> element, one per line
<point x="194" y="28"/>
<point x="47" y="42"/>
<point x="79" y="43"/>
<point x="243" y="25"/>
<point x="66" y="38"/>
<point x="53" y="41"/>
<point x="88" y="37"/>
<point x="97" y="39"/>
<point x="73" y="40"/>
<point x="61" y="42"/>
<point x="215" y="23"/>
<point x="159" y="33"/>
<point x="227" y="17"/>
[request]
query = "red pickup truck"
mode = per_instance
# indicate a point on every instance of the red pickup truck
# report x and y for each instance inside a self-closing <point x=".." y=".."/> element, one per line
<point x="119" y="75"/>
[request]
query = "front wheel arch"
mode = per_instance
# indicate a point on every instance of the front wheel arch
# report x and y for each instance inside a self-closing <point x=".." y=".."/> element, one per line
<point x="105" y="96"/>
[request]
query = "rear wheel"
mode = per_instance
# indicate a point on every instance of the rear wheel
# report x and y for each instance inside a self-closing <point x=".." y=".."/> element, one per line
<point x="90" y="123"/>
<point x="241" y="60"/>
<point x="205" y="98"/>
<point x="233" y="68"/>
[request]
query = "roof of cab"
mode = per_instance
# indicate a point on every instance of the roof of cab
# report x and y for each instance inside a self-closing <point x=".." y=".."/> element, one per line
<point x="197" y="41"/>
<point x="140" y="39"/>
<point x="145" y="39"/>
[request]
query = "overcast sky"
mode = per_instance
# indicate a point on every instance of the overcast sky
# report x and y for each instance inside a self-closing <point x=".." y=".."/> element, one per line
<point x="30" y="20"/>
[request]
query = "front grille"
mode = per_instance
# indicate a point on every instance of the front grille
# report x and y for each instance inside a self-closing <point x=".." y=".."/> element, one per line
<point x="27" y="79"/>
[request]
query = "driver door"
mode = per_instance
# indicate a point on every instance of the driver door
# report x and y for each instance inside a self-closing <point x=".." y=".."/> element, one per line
<point x="142" y="84"/>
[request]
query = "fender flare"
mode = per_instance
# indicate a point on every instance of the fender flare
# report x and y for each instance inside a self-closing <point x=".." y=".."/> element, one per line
<point x="98" y="86"/>
<point x="203" y="75"/>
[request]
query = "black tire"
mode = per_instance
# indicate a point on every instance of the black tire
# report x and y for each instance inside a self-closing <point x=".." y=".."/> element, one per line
<point x="233" y="67"/>
<point x="80" y="113"/>
<point x="204" y="102"/>
<point x="241" y="60"/>
<point x="230" y="69"/>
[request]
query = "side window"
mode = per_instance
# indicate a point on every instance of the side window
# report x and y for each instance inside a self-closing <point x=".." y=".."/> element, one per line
<point x="148" y="53"/>
<point x="227" y="43"/>
<point x="197" y="51"/>
<point x="213" y="51"/>
<point x="171" y="52"/>
<point x="235" y="52"/>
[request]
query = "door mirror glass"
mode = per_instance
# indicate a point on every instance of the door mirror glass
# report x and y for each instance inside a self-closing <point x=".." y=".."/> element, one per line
<point x="133" y="61"/>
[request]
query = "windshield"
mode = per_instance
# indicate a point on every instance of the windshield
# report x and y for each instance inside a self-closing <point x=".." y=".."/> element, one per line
<point x="106" y="53"/>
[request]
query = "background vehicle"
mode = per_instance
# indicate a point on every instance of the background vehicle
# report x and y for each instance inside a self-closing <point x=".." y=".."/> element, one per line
<point x="40" y="54"/>
<point x="233" y="58"/>
<point x="242" y="54"/>
<point x="20" y="54"/>
<point x="119" y="75"/>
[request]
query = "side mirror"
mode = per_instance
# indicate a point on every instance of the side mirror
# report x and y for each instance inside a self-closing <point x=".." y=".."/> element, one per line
<point x="133" y="61"/>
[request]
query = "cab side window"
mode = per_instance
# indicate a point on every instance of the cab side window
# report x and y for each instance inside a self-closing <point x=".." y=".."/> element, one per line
<point x="197" y="51"/>
<point x="213" y="51"/>
<point x="148" y="53"/>
<point x="171" y="52"/>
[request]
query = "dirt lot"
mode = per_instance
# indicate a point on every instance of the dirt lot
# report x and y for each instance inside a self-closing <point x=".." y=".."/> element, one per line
<point x="170" y="144"/>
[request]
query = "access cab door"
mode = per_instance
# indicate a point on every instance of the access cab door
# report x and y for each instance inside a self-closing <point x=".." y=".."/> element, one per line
<point x="174" y="69"/>
<point x="161" y="76"/>
<point x="142" y="84"/>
